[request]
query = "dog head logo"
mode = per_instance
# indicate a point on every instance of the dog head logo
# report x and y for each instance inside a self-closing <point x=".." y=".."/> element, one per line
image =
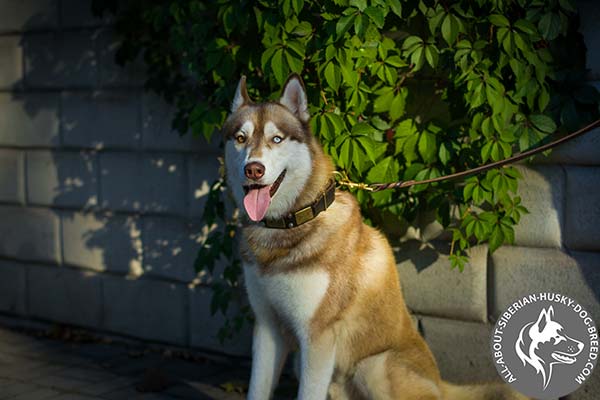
<point x="542" y="344"/>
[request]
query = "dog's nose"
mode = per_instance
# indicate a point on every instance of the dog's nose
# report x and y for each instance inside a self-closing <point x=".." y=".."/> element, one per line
<point x="254" y="170"/>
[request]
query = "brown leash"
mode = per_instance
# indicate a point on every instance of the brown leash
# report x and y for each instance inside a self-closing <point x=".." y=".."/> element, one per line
<point x="376" y="187"/>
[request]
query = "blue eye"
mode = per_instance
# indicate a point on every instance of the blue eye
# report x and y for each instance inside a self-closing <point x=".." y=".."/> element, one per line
<point x="277" y="139"/>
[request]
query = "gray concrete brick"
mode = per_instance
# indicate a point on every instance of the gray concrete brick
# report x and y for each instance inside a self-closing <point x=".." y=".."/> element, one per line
<point x="12" y="287"/>
<point x="424" y="227"/>
<point x="61" y="383"/>
<point x="12" y="176"/>
<point x="589" y="13"/>
<point x="100" y="119"/>
<point x="158" y="133"/>
<point x="16" y="389"/>
<point x="130" y="393"/>
<point x="73" y="396"/>
<point x="148" y="183"/>
<point x="204" y="326"/>
<point x="170" y="248"/>
<point x="83" y="373"/>
<point x="461" y="349"/>
<point x="102" y="242"/>
<point x="588" y="264"/>
<point x="583" y="208"/>
<point x="519" y="271"/>
<point x="431" y="287"/>
<point x="11" y="61"/>
<point x="203" y="171"/>
<point x="78" y="14"/>
<point x="542" y="192"/>
<point x="29" y="119"/>
<point x="585" y="150"/>
<point x="59" y="60"/>
<point x="25" y="15"/>
<point x="65" y="295"/>
<point x="66" y="179"/>
<point x="146" y="309"/>
<point x="133" y="74"/>
<point x="38" y="394"/>
<point x="29" y="234"/>
<point x="108" y="386"/>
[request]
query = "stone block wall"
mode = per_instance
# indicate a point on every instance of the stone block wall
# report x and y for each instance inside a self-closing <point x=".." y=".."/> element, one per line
<point x="557" y="249"/>
<point x="100" y="202"/>
<point x="100" y="206"/>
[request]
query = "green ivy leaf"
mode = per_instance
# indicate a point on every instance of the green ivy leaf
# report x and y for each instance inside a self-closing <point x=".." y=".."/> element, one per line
<point x="496" y="238"/>
<point x="279" y="67"/>
<point x="526" y="26"/>
<point x="549" y="26"/>
<point x="297" y="5"/>
<point x="397" y="107"/>
<point x="418" y="58"/>
<point x="543" y="123"/>
<point x="376" y="15"/>
<point x="427" y="146"/>
<point x="493" y="75"/>
<point x="411" y="43"/>
<point x="384" y="171"/>
<point x="303" y="29"/>
<point x="432" y="55"/>
<point x="360" y="4"/>
<point x="444" y="154"/>
<point x="333" y="76"/>
<point x="343" y="24"/>
<point x="384" y="101"/>
<point x="450" y="29"/>
<point x="396" y="7"/>
<point x="499" y="20"/>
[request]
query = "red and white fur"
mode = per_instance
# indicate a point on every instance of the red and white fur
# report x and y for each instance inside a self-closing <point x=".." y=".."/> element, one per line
<point x="328" y="288"/>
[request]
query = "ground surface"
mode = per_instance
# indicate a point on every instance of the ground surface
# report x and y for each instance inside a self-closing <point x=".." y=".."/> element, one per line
<point x="61" y="363"/>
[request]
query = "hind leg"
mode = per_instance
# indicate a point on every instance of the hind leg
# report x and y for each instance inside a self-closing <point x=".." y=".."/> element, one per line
<point x="385" y="377"/>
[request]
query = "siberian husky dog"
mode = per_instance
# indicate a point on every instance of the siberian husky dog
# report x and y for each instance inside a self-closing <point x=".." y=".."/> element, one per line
<point x="319" y="280"/>
<point x="543" y="344"/>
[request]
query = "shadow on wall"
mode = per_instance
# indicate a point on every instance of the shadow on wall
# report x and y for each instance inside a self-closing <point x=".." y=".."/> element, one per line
<point x="141" y="208"/>
<point x="551" y="252"/>
<point x="126" y="205"/>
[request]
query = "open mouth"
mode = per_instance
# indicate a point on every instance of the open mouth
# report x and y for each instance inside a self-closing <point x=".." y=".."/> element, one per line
<point x="258" y="197"/>
<point x="563" y="358"/>
<point x="273" y="187"/>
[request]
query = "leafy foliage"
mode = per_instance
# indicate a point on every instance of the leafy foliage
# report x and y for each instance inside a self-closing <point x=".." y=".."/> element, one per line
<point x="409" y="89"/>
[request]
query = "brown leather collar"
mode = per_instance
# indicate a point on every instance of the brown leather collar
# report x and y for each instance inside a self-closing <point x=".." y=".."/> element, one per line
<point x="305" y="214"/>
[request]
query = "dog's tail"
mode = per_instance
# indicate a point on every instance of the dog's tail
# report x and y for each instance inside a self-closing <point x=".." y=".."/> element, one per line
<point x="489" y="391"/>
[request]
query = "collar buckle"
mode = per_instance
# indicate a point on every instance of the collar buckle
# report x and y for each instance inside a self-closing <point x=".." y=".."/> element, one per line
<point x="304" y="215"/>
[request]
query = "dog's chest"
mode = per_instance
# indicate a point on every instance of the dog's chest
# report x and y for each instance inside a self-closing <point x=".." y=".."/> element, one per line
<point x="293" y="296"/>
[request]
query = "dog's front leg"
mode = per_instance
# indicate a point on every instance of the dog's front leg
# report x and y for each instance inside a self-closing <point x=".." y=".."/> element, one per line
<point x="317" y="360"/>
<point x="269" y="351"/>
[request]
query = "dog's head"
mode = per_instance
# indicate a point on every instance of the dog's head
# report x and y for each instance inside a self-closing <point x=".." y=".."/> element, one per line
<point x="268" y="150"/>
<point x="544" y="343"/>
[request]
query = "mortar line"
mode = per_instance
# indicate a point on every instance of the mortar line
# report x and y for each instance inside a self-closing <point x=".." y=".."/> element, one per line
<point x="489" y="287"/>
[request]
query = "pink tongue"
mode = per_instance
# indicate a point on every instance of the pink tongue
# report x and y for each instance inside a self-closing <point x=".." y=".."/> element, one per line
<point x="256" y="202"/>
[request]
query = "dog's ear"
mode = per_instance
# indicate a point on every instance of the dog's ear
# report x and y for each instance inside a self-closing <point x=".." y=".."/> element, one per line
<point x="544" y="318"/>
<point x="241" y="95"/>
<point x="293" y="97"/>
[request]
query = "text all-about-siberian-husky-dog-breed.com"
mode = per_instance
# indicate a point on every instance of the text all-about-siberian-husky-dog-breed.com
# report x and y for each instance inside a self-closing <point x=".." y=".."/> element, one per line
<point x="319" y="280"/>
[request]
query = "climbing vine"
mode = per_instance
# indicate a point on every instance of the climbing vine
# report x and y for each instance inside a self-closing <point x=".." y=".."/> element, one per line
<point x="398" y="90"/>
